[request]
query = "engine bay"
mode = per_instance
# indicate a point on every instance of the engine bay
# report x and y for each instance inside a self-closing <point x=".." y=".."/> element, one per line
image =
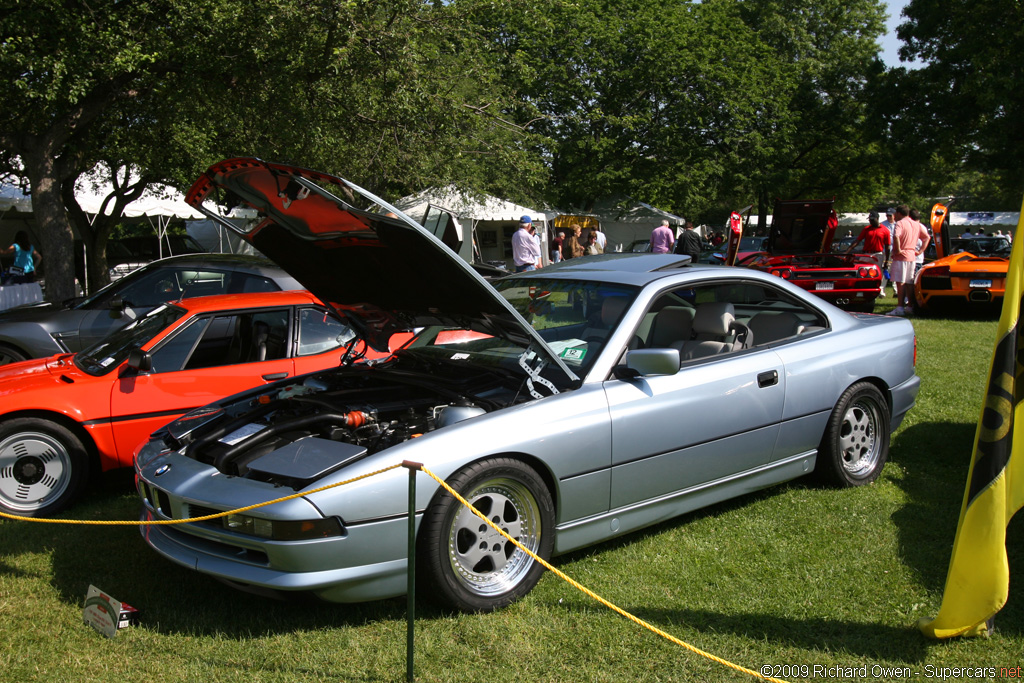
<point x="294" y="434"/>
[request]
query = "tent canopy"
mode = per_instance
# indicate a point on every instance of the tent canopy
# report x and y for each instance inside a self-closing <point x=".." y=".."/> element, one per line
<point x="465" y="206"/>
<point x="496" y="218"/>
<point x="978" y="219"/>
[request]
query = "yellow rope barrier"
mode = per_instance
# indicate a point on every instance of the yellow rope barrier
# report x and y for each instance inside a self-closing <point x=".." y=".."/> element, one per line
<point x="547" y="565"/>
<point x="580" y="587"/>
<point x="159" y="522"/>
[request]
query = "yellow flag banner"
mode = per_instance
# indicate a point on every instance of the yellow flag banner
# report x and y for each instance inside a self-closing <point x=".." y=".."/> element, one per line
<point x="978" y="581"/>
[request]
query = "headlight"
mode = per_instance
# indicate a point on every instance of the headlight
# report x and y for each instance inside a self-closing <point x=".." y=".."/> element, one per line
<point x="149" y="451"/>
<point x="282" y="530"/>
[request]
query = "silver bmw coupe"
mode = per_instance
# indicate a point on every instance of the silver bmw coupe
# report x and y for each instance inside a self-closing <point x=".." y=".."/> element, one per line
<point x="570" y="405"/>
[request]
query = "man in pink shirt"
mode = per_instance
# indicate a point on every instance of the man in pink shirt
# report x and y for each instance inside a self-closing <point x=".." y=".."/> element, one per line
<point x="910" y="239"/>
<point x="663" y="238"/>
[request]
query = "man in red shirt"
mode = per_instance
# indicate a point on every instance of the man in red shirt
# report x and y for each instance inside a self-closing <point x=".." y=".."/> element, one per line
<point x="876" y="242"/>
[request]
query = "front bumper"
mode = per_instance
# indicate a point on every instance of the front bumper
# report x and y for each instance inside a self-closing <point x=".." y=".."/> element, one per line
<point x="255" y="564"/>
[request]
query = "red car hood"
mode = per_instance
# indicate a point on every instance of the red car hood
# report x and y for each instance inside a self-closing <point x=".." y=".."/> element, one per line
<point x="802" y="226"/>
<point x="377" y="267"/>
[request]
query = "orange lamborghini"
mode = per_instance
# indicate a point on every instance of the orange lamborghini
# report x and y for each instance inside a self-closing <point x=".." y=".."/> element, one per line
<point x="970" y="271"/>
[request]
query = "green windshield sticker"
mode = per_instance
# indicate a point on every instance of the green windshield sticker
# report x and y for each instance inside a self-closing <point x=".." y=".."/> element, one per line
<point x="573" y="354"/>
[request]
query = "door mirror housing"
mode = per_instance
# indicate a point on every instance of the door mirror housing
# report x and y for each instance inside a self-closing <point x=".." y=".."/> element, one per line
<point x="645" y="362"/>
<point x="140" y="360"/>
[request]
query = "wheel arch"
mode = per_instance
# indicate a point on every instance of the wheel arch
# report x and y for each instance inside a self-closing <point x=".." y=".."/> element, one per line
<point x="879" y="384"/>
<point x="71" y="425"/>
<point x="535" y="463"/>
<point x="11" y="344"/>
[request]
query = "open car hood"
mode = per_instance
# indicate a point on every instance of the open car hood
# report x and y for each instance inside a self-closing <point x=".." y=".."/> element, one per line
<point x="802" y="226"/>
<point x="377" y="267"/>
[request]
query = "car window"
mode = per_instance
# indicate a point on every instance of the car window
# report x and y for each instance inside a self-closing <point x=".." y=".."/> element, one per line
<point x="145" y="289"/>
<point x="724" y="317"/>
<point x="319" y="331"/>
<point x="575" y="318"/>
<point x="214" y="341"/>
<point x="172" y="353"/>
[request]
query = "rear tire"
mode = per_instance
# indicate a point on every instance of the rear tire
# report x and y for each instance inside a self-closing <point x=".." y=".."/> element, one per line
<point x="468" y="566"/>
<point x="855" y="445"/>
<point x="43" y="467"/>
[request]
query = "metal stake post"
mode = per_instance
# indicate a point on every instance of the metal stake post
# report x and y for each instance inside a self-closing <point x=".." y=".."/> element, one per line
<point x="411" y="574"/>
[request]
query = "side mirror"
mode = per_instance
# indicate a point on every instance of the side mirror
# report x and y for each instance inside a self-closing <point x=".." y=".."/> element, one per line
<point x="116" y="307"/>
<point x="140" y="360"/>
<point x="644" y="362"/>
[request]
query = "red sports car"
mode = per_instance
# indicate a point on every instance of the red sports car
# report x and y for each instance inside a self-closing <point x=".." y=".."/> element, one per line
<point x="65" y="416"/>
<point x="799" y="249"/>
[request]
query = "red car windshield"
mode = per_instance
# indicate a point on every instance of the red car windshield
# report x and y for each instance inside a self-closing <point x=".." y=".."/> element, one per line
<point x="111" y="351"/>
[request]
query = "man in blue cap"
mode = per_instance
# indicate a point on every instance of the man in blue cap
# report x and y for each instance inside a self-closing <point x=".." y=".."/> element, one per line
<point x="525" y="252"/>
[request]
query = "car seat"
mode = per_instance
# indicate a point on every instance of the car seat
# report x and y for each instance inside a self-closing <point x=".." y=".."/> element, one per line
<point x="671" y="326"/>
<point x="715" y="331"/>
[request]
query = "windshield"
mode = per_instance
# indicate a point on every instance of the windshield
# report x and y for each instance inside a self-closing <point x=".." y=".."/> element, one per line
<point x="111" y="351"/>
<point x="982" y="246"/>
<point x="575" y="318"/>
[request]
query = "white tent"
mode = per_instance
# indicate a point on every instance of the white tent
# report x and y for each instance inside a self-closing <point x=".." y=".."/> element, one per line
<point x="627" y="220"/>
<point x="489" y="220"/>
<point x="159" y="204"/>
<point x="973" y="219"/>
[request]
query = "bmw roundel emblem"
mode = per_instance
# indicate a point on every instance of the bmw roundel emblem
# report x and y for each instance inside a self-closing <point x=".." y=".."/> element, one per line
<point x="163" y="469"/>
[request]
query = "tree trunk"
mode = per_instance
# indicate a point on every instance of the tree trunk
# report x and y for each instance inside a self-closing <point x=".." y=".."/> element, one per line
<point x="52" y="225"/>
<point x="97" y="272"/>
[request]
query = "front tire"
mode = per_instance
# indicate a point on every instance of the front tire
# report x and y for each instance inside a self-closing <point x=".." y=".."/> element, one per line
<point x="466" y="564"/>
<point x="43" y="467"/>
<point x="856" y="441"/>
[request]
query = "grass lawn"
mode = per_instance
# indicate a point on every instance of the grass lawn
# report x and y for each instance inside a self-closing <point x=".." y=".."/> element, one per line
<point x="794" y="575"/>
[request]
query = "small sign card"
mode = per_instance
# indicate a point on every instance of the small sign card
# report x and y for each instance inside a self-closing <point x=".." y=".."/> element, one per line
<point x="105" y="614"/>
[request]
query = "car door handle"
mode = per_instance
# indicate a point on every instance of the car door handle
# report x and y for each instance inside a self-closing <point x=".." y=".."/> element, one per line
<point x="274" y="376"/>
<point x="768" y="379"/>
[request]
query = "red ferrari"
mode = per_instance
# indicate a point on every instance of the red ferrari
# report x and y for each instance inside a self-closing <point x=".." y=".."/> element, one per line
<point x="66" y="416"/>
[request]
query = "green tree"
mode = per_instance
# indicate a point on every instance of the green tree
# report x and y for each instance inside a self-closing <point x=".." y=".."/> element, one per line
<point x="390" y="94"/>
<point x="962" y="111"/>
<point x="697" y="105"/>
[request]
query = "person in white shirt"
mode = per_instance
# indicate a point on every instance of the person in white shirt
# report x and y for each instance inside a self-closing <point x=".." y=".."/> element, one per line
<point x="525" y="249"/>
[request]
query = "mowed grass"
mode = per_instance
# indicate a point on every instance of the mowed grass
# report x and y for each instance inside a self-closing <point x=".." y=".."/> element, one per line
<point x="794" y="575"/>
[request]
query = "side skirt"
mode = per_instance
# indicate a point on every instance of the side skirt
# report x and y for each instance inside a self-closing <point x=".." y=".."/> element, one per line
<point x="581" y="533"/>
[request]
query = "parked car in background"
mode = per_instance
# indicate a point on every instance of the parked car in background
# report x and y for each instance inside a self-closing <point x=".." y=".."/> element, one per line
<point x="64" y="417"/>
<point x="800" y="249"/>
<point x="569" y="405"/>
<point x="43" y="329"/>
<point x="973" y="274"/>
<point x="131" y="253"/>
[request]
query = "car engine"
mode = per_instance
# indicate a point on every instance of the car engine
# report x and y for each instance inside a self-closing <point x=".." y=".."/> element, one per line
<point x="299" y="432"/>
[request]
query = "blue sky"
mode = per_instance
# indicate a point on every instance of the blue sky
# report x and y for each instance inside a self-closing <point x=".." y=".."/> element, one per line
<point x="890" y="43"/>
